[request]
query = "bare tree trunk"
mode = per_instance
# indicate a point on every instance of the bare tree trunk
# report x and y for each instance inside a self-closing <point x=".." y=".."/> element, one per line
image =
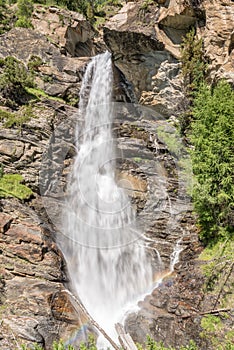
<point x="92" y="321"/>
<point x="124" y="338"/>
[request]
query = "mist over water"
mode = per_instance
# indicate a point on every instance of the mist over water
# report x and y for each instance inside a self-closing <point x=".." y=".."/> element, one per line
<point x="108" y="267"/>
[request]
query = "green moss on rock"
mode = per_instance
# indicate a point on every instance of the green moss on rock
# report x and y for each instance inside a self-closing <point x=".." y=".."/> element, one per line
<point x="11" y="186"/>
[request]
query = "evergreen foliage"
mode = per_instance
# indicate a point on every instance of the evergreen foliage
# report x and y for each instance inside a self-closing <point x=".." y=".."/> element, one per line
<point x="34" y="63"/>
<point x="193" y="63"/>
<point x="151" y="344"/>
<point x="194" y="70"/>
<point x="213" y="160"/>
<point x="25" y="10"/>
<point x="218" y="287"/>
<point x="94" y="10"/>
<point x="17" y="119"/>
<point x="214" y="332"/>
<point x="2" y="8"/>
<point x="6" y="15"/>
<point x="14" y="78"/>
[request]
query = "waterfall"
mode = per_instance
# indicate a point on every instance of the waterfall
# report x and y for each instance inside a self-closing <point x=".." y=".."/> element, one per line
<point x="174" y="259"/>
<point x="107" y="267"/>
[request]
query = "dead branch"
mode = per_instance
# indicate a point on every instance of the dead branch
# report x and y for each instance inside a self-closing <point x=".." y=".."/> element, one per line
<point x="224" y="283"/>
<point x="217" y="311"/>
<point x="210" y="312"/>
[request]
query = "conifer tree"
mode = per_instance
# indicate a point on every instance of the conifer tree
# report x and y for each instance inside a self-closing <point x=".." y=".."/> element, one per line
<point x="213" y="160"/>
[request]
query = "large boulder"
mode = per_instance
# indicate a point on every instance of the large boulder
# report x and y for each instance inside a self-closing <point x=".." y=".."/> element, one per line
<point x="141" y="49"/>
<point x="67" y="29"/>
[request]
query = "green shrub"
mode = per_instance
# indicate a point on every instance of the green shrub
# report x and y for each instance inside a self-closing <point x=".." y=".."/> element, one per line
<point x="34" y="63"/>
<point x="11" y="186"/>
<point x="14" y="72"/>
<point x="211" y="323"/>
<point x="146" y="4"/>
<point x="2" y="8"/>
<point x="18" y="119"/>
<point x="14" y="78"/>
<point x="23" y="22"/>
<point x="5" y="115"/>
<point x="61" y="346"/>
<point x="151" y="344"/>
<point x="214" y="331"/>
<point x="218" y="278"/>
<point x="25" y="10"/>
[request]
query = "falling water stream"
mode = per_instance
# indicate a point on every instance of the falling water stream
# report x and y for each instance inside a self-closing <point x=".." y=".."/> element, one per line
<point x="108" y="267"/>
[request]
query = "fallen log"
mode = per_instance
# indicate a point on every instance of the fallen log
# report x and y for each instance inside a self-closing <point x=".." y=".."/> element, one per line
<point x="92" y="321"/>
<point x="124" y="338"/>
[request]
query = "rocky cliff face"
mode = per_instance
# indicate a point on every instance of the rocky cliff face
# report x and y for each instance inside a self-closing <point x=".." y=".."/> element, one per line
<point x="218" y="39"/>
<point x="144" y="38"/>
<point x="34" y="307"/>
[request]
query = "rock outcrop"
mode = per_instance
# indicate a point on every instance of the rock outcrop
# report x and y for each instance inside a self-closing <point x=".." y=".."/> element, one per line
<point x="58" y="75"/>
<point x="218" y="38"/>
<point x="145" y="41"/>
<point x="145" y="52"/>
<point x="70" y="31"/>
<point x="34" y="307"/>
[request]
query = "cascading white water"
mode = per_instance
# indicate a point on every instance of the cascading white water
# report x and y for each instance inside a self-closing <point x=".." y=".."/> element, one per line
<point x="174" y="259"/>
<point x="107" y="268"/>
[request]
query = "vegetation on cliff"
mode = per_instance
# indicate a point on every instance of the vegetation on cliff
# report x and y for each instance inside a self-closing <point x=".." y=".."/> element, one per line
<point x="150" y="344"/>
<point x="11" y="186"/>
<point x="209" y="127"/>
<point x="20" y="16"/>
<point x="213" y="160"/>
<point x="24" y="12"/>
<point x="217" y="267"/>
<point x="14" y="79"/>
<point x="208" y="123"/>
<point x="194" y="70"/>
